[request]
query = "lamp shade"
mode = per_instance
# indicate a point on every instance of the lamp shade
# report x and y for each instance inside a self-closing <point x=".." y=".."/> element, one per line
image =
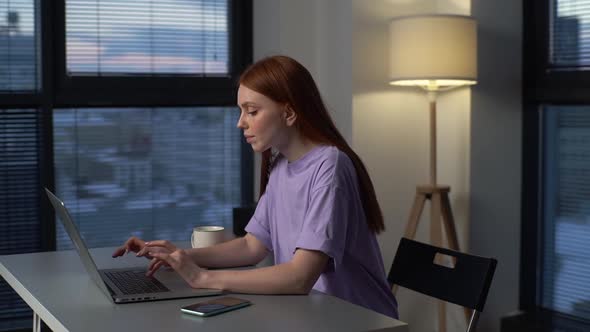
<point x="433" y="51"/>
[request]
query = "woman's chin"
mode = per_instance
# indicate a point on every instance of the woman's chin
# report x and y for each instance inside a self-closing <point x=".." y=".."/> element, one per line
<point x="256" y="148"/>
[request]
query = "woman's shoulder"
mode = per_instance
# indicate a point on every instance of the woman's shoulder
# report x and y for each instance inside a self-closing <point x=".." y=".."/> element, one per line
<point x="333" y="167"/>
<point x="336" y="158"/>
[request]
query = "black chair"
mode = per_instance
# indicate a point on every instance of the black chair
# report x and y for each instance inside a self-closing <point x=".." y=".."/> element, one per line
<point x="241" y="217"/>
<point x="466" y="284"/>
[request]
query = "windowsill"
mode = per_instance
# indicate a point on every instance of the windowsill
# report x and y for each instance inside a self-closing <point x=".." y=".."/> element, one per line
<point x="542" y="320"/>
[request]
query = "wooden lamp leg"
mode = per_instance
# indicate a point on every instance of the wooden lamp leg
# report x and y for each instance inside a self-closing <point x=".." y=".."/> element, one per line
<point x="415" y="214"/>
<point x="436" y="240"/>
<point x="451" y="232"/>
<point x="440" y="209"/>
<point x="412" y="224"/>
<point x="440" y="214"/>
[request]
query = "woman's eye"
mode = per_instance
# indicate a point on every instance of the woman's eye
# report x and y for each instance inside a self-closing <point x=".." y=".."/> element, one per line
<point x="252" y="112"/>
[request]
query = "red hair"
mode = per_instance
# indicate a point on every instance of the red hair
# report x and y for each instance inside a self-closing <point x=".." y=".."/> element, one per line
<point x="286" y="81"/>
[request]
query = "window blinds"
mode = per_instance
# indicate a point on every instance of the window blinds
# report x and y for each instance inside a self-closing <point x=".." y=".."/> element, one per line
<point x="147" y="37"/>
<point x="570" y="31"/>
<point x="566" y="264"/>
<point x="150" y="172"/>
<point x="20" y="142"/>
<point x="18" y="50"/>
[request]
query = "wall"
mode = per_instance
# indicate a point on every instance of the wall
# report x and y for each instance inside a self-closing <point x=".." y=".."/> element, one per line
<point x="344" y="44"/>
<point x="315" y="33"/>
<point x="391" y="133"/>
<point x="496" y="151"/>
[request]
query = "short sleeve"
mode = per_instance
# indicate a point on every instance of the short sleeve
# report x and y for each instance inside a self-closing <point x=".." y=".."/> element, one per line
<point x="325" y="225"/>
<point x="259" y="223"/>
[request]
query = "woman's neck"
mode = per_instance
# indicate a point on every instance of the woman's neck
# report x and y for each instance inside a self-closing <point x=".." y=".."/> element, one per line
<point x="296" y="147"/>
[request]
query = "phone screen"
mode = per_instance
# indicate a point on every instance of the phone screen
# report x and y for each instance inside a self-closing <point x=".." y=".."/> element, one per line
<point x="212" y="307"/>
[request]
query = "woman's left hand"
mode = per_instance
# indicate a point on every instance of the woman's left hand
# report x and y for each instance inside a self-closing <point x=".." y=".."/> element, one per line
<point x="182" y="263"/>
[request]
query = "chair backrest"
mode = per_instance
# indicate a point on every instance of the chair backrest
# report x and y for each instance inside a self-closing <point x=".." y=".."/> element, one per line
<point x="466" y="284"/>
<point x="241" y="217"/>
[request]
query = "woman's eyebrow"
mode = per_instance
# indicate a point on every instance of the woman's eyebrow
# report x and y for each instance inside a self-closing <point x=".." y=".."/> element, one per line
<point x="247" y="104"/>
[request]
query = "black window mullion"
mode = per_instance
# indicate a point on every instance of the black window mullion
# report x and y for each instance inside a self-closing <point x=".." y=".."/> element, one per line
<point x="146" y="91"/>
<point x="48" y="35"/>
<point x="18" y="100"/>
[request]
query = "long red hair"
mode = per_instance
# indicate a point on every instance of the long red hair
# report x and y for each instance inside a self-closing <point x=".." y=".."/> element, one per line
<point x="286" y="81"/>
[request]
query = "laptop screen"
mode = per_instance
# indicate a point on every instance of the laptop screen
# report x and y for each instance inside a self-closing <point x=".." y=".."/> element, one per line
<point x="81" y="248"/>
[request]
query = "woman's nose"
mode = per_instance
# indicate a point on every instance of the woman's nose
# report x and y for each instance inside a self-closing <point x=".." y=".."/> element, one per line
<point x="241" y="123"/>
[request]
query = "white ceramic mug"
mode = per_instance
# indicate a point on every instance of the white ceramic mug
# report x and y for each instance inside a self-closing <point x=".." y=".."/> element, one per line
<point x="204" y="236"/>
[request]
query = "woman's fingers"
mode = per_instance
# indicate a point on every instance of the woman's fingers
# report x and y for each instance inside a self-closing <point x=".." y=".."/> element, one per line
<point x="157" y="246"/>
<point x="132" y="244"/>
<point x="173" y="259"/>
<point x="154" y="266"/>
<point x="141" y="248"/>
<point x="147" y="248"/>
<point x="152" y="263"/>
<point x="162" y="256"/>
<point x="181" y="263"/>
<point x="143" y="251"/>
<point x="162" y="243"/>
<point x="159" y="255"/>
<point x="119" y="251"/>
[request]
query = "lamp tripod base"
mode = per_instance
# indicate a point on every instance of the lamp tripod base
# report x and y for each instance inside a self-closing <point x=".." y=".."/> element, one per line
<point x="440" y="213"/>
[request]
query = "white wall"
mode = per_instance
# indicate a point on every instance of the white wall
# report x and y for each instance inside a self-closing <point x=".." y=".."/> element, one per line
<point x="344" y="45"/>
<point x="496" y="151"/>
<point x="391" y="133"/>
<point x="315" y="33"/>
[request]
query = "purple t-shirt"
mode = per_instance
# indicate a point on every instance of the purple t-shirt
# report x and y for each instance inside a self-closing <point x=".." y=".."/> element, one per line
<point x="314" y="203"/>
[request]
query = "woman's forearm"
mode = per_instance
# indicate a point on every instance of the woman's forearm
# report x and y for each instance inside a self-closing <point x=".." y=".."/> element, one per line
<point x="277" y="279"/>
<point x="236" y="252"/>
<point x="296" y="276"/>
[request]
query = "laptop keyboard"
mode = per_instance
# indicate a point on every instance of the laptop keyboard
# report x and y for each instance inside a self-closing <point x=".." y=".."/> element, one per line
<point x="135" y="282"/>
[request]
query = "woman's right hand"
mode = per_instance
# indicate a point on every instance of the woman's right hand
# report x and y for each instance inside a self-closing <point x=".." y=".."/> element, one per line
<point x="141" y="247"/>
<point x="132" y="244"/>
<point x="159" y="247"/>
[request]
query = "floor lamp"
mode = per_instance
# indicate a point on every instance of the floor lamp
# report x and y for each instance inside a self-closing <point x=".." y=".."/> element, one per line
<point x="435" y="53"/>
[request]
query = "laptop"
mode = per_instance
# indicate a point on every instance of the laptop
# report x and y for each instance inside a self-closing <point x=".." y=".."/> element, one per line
<point x="127" y="285"/>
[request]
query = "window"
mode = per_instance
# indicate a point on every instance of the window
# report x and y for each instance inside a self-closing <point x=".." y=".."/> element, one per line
<point x="147" y="37"/>
<point x="566" y="210"/>
<point x="127" y="110"/>
<point x="21" y="144"/>
<point x="569" y="26"/>
<point x="20" y="222"/>
<point x="18" y="46"/>
<point x="154" y="173"/>
<point x="556" y="161"/>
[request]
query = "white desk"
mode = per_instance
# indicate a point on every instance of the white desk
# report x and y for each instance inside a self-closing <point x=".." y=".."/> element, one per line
<point x="60" y="292"/>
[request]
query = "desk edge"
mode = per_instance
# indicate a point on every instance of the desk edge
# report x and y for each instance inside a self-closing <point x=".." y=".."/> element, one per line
<point x="35" y="305"/>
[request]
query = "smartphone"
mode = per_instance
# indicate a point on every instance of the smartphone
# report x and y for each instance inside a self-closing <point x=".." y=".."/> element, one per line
<point x="215" y="306"/>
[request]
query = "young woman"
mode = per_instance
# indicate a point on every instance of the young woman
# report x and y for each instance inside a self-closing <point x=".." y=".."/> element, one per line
<point x="317" y="212"/>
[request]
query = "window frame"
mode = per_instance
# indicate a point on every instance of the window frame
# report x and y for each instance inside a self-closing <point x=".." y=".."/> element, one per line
<point x="159" y="89"/>
<point x="541" y="84"/>
<point x="57" y="91"/>
<point x="540" y="87"/>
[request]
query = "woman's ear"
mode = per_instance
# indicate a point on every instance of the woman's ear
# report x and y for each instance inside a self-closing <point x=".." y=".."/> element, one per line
<point x="290" y="115"/>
